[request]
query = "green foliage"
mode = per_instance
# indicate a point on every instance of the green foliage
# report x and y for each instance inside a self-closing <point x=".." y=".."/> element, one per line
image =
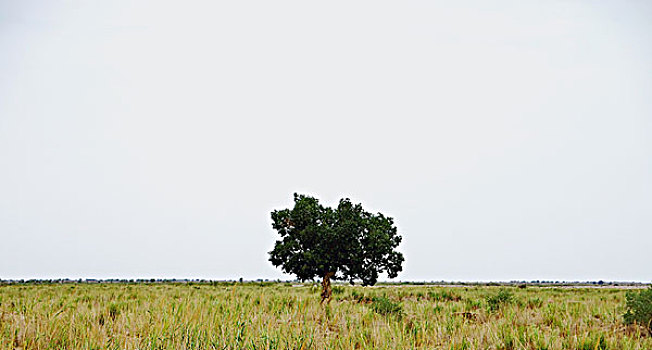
<point x="114" y="310"/>
<point x="593" y="343"/>
<point x="639" y="308"/>
<point x="472" y="304"/>
<point x="504" y="296"/>
<point x="385" y="306"/>
<point x="437" y="309"/>
<point x="507" y="339"/>
<point x="347" y="241"/>
<point x="443" y="295"/>
<point x="355" y="295"/>
<point x="534" y="303"/>
<point x="360" y="297"/>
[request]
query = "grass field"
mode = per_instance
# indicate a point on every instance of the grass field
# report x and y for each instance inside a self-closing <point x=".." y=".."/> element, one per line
<point x="280" y="316"/>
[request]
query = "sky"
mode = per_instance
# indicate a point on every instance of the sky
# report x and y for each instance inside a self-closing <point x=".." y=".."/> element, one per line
<point x="509" y="140"/>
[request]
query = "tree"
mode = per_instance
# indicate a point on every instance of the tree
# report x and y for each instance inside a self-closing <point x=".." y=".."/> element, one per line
<point x="345" y="243"/>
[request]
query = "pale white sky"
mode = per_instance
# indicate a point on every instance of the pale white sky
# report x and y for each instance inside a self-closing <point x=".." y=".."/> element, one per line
<point x="509" y="140"/>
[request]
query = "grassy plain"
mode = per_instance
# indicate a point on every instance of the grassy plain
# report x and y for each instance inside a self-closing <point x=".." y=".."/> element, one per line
<point x="280" y="316"/>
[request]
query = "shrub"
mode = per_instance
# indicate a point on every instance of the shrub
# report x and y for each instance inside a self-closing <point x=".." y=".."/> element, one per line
<point x="639" y="308"/>
<point x="385" y="306"/>
<point x="504" y="296"/>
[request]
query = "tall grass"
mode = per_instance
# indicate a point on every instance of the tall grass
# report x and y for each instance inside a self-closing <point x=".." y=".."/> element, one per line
<point x="277" y="316"/>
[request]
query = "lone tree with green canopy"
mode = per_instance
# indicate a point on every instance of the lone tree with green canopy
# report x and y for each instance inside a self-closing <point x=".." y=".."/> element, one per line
<point x="345" y="243"/>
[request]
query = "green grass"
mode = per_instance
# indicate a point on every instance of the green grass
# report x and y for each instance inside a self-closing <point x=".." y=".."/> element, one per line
<point x="279" y="316"/>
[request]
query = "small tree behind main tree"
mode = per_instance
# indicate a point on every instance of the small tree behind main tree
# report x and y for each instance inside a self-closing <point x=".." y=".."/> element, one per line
<point x="344" y="243"/>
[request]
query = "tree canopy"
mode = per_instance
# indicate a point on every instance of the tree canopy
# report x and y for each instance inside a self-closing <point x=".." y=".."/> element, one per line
<point x="344" y="243"/>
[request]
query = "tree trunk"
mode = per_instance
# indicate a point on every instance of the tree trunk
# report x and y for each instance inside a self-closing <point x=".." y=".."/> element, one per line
<point x="326" y="290"/>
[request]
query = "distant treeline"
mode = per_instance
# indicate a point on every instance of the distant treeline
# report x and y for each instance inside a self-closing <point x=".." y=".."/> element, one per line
<point x="518" y="283"/>
<point x="261" y="281"/>
<point x="139" y="281"/>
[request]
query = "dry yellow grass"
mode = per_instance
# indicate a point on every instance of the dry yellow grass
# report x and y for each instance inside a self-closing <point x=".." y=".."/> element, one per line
<point x="278" y="316"/>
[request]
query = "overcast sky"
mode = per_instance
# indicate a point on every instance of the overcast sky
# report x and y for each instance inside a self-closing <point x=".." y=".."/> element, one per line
<point x="509" y="140"/>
